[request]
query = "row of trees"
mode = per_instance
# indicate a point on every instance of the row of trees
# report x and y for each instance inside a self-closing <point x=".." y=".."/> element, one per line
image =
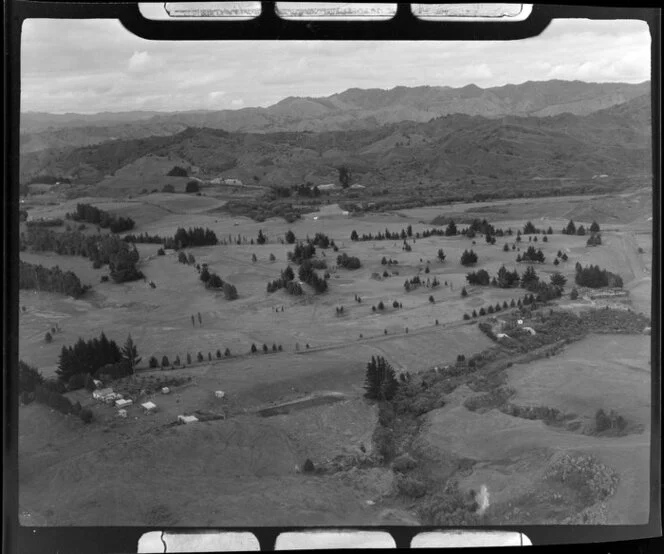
<point x="51" y="279"/>
<point x="92" y="214"/>
<point x="145" y="238"/>
<point x="572" y="229"/>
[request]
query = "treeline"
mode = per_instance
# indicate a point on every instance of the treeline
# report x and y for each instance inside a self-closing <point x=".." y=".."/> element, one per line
<point x="145" y="238"/>
<point x="594" y="277"/>
<point x="198" y="236"/>
<point x="481" y="226"/>
<point x="100" y="249"/>
<point x="50" y="279"/>
<point x="91" y="214"/>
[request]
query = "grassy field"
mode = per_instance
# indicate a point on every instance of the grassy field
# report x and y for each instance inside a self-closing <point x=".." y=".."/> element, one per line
<point x="245" y="464"/>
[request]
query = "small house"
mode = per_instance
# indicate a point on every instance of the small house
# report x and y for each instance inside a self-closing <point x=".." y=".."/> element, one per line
<point x="219" y="394"/>
<point x="165" y="390"/>
<point x="123" y="403"/>
<point x="187" y="419"/>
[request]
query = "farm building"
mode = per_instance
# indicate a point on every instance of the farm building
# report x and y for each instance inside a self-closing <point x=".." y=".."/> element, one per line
<point x="123" y="403"/>
<point x="328" y="186"/>
<point x="149" y="407"/>
<point x="99" y="394"/>
<point x="187" y="419"/>
<point x="357" y="186"/>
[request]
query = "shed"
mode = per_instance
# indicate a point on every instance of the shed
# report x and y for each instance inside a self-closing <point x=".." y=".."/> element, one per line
<point x="98" y="383"/>
<point x="122" y="413"/>
<point x="149" y="407"/>
<point x="165" y="390"/>
<point x="101" y="393"/>
<point x="219" y="394"/>
<point x="187" y="419"/>
<point x="123" y="403"/>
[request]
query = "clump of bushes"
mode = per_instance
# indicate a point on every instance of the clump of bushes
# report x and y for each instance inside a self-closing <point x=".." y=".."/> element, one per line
<point x="592" y="480"/>
<point x="449" y="507"/>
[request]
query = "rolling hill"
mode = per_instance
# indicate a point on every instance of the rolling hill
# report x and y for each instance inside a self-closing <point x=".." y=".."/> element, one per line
<point x="353" y="109"/>
<point x="614" y="141"/>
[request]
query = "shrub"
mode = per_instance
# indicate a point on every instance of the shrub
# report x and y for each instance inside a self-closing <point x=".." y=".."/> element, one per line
<point x="76" y="408"/>
<point x="218" y="354"/>
<point x="468" y="258"/>
<point x="464" y="292"/>
<point x="410" y="487"/>
<point x="574" y="294"/>
<point x="308" y="466"/>
<point x="449" y="507"/>
<point x="28" y="377"/>
<point x="404" y="463"/>
<point x="86" y="415"/>
<point x="227" y="352"/>
<point x="383" y="439"/>
<point x="165" y="362"/>
<point x="76" y="381"/>
<point x="153" y="362"/>
<point x="48" y="337"/>
<point x="199" y="357"/>
<point x="254" y="349"/>
<point x="161" y="252"/>
<point x="466" y="317"/>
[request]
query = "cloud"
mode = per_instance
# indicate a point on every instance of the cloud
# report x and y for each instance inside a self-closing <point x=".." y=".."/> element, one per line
<point x="139" y="61"/>
<point x="122" y="71"/>
<point x="479" y="72"/>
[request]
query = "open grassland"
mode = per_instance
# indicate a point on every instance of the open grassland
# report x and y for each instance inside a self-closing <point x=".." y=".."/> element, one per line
<point x="244" y="465"/>
<point x="511" y="455"/>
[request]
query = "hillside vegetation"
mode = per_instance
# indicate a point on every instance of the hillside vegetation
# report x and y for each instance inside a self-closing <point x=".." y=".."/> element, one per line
<point x="445" y="151"/>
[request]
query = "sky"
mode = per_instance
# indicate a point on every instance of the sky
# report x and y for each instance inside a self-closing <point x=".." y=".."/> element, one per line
<point x="123" y="72"/>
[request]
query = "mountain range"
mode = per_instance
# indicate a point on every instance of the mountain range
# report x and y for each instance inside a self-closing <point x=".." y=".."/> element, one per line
<point x="454" y="148"/>
<point x="351" y="110"/>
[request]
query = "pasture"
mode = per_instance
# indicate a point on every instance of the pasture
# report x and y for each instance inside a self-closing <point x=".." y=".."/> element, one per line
<point x="249" y="460"/>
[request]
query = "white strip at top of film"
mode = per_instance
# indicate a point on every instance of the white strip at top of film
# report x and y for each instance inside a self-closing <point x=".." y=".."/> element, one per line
<point x="331" y="11"/>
